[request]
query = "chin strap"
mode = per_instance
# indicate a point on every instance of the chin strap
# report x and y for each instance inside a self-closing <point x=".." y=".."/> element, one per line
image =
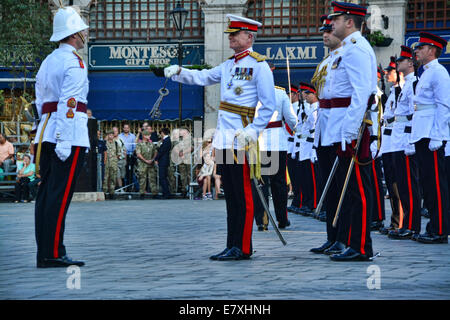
<point x="83" y="39"/>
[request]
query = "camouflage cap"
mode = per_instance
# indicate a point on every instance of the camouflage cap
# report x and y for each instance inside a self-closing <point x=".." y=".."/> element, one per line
<point x="145" y="133"/>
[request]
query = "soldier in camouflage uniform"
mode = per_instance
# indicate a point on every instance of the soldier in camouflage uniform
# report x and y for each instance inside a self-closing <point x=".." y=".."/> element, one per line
<point x="186" y="146"/>
<point x="145" y="152"/>
<point x="111" y="156"/>
<point x="174" y="138"/>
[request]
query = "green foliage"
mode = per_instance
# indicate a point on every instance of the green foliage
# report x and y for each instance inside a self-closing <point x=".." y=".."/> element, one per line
<point x="377" y="38"/>
<point x="25" y="30"/>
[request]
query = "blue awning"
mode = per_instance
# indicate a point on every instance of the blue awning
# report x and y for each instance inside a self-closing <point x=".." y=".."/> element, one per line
<point x="131" y="96"/>
<point x="296" y="76"/>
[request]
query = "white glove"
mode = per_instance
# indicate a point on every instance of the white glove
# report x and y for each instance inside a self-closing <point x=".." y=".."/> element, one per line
<point x="434" y="145"/>
<point x="63" y="150"/>
<point x="171" y="71"/>
<point x="410" y="149"/>
<point x="244" y="138"/>
<point x="313" y="156"/>
<point x="346" y="138"/>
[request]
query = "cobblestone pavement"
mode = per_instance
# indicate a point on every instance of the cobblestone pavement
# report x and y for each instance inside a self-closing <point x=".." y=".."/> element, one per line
<point x="159" y="249"/>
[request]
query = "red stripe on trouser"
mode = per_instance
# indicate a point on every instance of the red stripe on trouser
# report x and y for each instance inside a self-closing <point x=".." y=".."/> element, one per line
<point x="314" y="184"/>
<point x="349" y="235"/>
<point x="438" y="191"/>
<point x="301" y="199"/>
<point x="364" y="208"/>
<point x="247" y="236"/>
<point x="64" y="202"/>
<point x="411" y="205"/>
<point x="377" y="191"/>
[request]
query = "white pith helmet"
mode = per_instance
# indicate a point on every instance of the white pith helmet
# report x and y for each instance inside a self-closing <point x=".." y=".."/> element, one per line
<point x="66" y="22"/>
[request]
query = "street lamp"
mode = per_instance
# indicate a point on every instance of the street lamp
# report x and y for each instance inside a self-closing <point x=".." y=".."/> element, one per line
<point x="179" y="15"/>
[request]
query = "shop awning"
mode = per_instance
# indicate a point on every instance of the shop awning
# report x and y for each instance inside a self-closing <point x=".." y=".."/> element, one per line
<point x="131" y="96"/>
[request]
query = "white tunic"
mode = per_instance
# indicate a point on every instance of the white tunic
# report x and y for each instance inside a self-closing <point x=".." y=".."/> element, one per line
<point x="388" y="122"/>
<point x="307" y="134"/>
<point x="275" y="139"/>
<point x="433" y="88"/>
<point x="59" y="79"/>
<point x="354" y="75"/>
<point x="405" y="107"/>
<point x="258" y="87"/>
<point x="304" y="109"/>
<point x="324" y="113"/>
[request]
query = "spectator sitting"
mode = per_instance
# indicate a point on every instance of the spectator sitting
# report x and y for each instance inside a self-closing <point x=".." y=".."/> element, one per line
<point x="6" y="154"/>
<point x="25" y="174"/>
<point x="207" y="170"/>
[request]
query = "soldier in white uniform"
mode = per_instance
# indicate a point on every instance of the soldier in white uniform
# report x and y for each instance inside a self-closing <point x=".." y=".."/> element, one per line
<point x="430" y="132"/>
<point x="62" y="135"/>
<point x="353" y="86"/>
<point x="291" y="162"/>
<point x="303" y="110"/>
<point x="393" y="77"/>
<point x="326" y="149"/>
<point x="307" y="155"/>
<point x="273" y="146"/>
<point x="245" y="79"/>
<point x="405" y="163"/>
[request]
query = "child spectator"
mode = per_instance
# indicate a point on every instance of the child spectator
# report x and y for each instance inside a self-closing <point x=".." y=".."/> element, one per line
<point x="207" y="170"/>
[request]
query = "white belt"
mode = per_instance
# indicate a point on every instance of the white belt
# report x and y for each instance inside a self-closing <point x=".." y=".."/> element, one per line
<point x="401" y="119"/>
<point x="418" y="107"/>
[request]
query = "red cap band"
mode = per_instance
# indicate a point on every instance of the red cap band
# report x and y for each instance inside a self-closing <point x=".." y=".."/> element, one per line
<point x="242" y="25"/>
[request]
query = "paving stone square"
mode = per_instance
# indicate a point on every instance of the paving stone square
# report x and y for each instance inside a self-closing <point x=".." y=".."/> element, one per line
<point x="159" y="249"/>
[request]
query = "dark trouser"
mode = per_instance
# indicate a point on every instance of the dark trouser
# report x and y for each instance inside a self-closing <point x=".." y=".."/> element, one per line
<point x="163" y="180"/>
<point x="58" y="180"/>
<point x="391" y="184"/>
<point x="22" y="189"/>
<point x="407" y="177"/>
<point x="239" y="198"/>
<point x="356" y="211"/>
<point x="308" y="184"/>
<point x="435" y="186"/>
<point x="377" y="186"/>
<point x="129" y="171"/>
<point x="326" y="157"/>
<point x="294" y="177"/>
<point x="276" y="178"/>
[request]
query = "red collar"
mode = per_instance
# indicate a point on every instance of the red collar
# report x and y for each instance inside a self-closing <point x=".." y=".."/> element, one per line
<point x="241" y="55"/>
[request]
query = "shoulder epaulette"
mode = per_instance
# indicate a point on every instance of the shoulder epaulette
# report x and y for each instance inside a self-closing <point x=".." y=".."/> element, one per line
<point x="257" y="56"/>
<point x="280" y="88"/>
<point x="80" y="59"/>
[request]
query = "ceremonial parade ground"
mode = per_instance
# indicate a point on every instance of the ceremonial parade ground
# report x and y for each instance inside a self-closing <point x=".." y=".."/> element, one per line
<point x="159" y="249"/>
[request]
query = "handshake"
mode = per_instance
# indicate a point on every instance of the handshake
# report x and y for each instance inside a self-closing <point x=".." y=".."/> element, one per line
<point x="171" y="71"/>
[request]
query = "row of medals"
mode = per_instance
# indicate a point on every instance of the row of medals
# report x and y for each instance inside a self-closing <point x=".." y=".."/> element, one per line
<point x="243" y="75"/>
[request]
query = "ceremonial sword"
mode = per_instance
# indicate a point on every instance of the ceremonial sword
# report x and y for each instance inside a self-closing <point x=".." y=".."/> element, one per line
<point x="264" y="203"/>
<point x="327" y="186"/>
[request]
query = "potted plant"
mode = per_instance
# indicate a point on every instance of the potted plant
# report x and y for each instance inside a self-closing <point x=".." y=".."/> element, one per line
<point x="378" y="39"/>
